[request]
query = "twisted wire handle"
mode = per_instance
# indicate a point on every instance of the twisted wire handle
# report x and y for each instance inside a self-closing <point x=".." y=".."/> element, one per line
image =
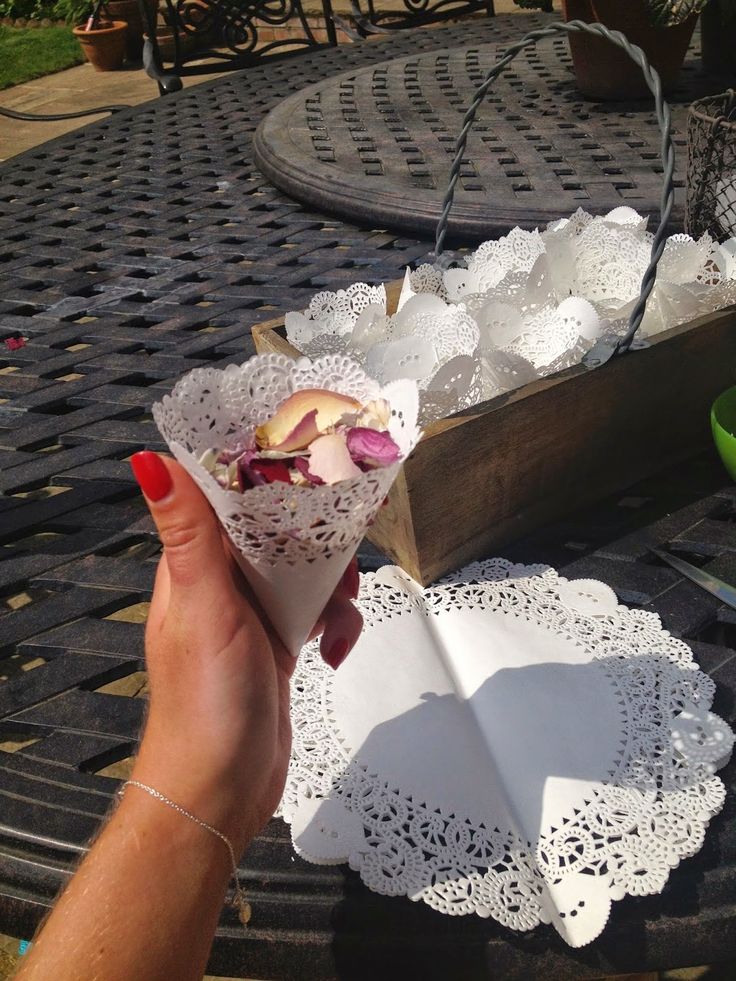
<point x="667" y="150"/>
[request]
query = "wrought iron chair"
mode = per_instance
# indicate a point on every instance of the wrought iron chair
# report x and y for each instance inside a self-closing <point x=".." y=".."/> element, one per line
<point x="367" y="20"/>
<point x="218" y="35"/>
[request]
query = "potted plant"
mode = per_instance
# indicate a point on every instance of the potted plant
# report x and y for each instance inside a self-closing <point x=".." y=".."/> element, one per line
<point x="102" y="39"/>
<point x="661" y="28"/>
<point x="131" y="11"/>
<point x="718" y="38"/>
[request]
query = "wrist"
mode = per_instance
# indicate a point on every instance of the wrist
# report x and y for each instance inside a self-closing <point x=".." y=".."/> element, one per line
<point x="170" y="829"/>
<point x="160" y="825"/>
<point x="200" y="785"/>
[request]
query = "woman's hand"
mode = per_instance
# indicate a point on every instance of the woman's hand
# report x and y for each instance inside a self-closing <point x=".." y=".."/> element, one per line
<point x="216" y="742"/>
<point x="218" y="735"/>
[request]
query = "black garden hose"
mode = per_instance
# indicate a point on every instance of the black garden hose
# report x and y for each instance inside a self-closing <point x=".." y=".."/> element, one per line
<point x="56" y="116"/>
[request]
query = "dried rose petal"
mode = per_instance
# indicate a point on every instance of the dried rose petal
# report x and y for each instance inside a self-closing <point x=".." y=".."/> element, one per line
<point x="232" y="476"/>
<point x="247" y="477"/>
<point x="301" y="463"/>
<point x="303" y="454"/>
<point x="377" y="449"/>
<point x="273" y="455"/>
<point x="237" y="452"/>
<point x="302" y="417"/>
<point x="298" y="439"/>
<point x="374" y="415"/>
<point x="13" y="343"/>
<point x="209" y="460"/>
<point x="330" y="461"/>
<point x="271" y="470"/>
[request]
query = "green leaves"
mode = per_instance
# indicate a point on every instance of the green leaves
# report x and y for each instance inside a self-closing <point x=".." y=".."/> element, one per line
<point x="664" y="13"/>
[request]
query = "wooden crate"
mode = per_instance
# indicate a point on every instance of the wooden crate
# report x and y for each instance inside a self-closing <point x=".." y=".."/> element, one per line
<point x="486" y="476"/>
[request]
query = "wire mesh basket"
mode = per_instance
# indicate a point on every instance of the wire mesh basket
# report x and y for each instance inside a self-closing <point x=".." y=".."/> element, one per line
<point x="711" y="166"/>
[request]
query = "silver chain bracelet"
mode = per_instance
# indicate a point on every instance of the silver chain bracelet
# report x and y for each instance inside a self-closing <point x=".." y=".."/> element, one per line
<point x="239" y="901"/>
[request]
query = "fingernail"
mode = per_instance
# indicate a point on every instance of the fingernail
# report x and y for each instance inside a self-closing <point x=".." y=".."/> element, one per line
<point x="152" y="474"/>
<point x="337" y="653"/>
<point x="351" y="580"/>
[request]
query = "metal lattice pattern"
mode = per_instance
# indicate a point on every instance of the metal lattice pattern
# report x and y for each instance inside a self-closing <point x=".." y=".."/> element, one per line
<point x="231" y="31"/>
<point x="378" y="142"/>
<point x="413" y="13"/>
<point x="711" y="167"/>
<point x="130" y="252"/>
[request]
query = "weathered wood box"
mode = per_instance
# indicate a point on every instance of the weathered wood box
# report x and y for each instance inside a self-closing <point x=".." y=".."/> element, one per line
<point x="486" y="476"/>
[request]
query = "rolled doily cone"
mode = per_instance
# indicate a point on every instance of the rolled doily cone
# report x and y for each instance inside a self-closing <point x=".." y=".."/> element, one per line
<point x="292" y="543"/>
<point x="293" y="596"/>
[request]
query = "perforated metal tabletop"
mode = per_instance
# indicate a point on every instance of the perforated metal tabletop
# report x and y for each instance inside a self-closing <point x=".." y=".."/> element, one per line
<point x="376" y="143"/>
<point x="131" y="252"/>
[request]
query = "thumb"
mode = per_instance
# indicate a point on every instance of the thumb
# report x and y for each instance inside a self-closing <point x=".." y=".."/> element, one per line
<point x="186" y="524"/>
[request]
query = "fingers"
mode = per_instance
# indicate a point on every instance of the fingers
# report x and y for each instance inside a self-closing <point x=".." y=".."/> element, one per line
<point x="350" y="581"/>
<point x="185" y="522"/>
<point x="194" y="554"/>
<point x="161" y="595"/>
<point x="343" y="624"/>
<point x="348" y="587"/>
<point x="340" y="621"/>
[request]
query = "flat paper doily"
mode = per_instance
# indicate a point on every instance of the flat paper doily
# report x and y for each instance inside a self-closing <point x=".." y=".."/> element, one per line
<point x="506" y="743"/>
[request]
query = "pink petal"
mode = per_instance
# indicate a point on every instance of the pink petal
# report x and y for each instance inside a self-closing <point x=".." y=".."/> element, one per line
<point x="301" y="463"/>
<point x="329" y="459"/>
<point x="374" y="448"/>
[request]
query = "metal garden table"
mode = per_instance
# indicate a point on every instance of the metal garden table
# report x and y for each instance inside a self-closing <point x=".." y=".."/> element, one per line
<point x="131" y="252"/>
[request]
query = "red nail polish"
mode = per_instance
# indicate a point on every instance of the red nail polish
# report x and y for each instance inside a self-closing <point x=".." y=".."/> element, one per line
<point x="337" y="653"/>
<point x="351" y="580"/>
<point x="152" y="474"/>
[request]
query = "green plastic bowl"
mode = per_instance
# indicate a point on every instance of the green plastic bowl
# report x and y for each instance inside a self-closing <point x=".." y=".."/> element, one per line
<point x="723" y="424"/>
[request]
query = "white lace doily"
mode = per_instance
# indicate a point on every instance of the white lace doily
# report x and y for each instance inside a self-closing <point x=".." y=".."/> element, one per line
<point x="520" y="307"/>
<point x="212" y="408"/>
<point x="426" y="340"/>
<point x="332" y="313"/>
<point x="506" y="743"/>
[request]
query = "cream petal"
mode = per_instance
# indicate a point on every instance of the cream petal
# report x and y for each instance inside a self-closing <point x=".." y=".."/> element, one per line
<point x="302" y="417"/>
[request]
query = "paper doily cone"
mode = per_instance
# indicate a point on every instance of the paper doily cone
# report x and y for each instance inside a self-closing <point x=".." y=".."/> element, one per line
<point x="292" y="543"/>
<point x="293" y="596"/>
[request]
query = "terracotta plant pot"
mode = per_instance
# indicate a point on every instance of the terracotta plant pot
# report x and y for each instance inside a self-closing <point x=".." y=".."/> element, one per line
<point x="104" y="47"/>
<point x="604" y="71"/>
<point x="130" y="12"/>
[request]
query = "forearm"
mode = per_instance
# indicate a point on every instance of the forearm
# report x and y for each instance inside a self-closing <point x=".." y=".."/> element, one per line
<point x="144" y="904"/>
